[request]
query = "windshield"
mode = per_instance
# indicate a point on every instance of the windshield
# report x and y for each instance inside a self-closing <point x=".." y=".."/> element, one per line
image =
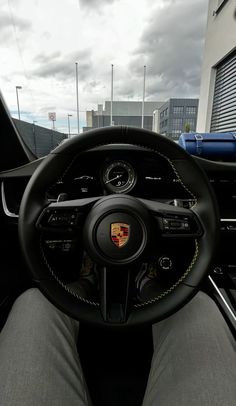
<point x="71" y="66"/>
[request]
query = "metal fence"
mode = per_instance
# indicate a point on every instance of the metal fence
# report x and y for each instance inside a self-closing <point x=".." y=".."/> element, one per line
<point x="39" y="139"/>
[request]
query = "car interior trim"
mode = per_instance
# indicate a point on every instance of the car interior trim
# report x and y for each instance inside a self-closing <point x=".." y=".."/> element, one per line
<point x="4" y="203"/>
<point x="232" y="313"/>
<point x="226" y="220"/>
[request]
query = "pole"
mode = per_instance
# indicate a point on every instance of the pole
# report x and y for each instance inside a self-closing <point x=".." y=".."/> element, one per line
<point x="68" y="117"/>
<point x="34" y="132"/>
<point x="77" y="93"/>
<point x="17" y="98"/>
<point x="144" y="80"/>
<point x="111" y="92"/>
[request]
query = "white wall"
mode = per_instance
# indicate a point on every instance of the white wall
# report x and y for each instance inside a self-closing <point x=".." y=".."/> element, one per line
<point x="220" y="41"/>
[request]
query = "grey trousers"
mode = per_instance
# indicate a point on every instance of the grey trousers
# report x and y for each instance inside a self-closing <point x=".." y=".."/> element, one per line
<point x="194" y="360"/>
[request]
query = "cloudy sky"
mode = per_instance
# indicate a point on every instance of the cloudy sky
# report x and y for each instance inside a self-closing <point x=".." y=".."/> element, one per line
<point x="40" y="41"/>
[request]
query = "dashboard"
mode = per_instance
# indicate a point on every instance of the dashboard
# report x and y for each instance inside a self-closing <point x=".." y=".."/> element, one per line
<point x="131" y="170"/>
<point x="117" y="169"/>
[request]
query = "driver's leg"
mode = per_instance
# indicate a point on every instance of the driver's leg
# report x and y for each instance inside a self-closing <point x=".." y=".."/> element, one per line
<point x="39" y="363"/>
<point x="194" y="360"/>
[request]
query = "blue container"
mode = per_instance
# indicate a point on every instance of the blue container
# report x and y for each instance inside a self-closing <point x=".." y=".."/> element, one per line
<point x="209" y="145"/>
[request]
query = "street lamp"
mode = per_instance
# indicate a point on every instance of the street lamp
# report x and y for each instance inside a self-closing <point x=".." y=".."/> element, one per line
<point x="68" y="117"/>
<point x="17" y="98"/>
<point x="77" y="93"/>
<point x="34" y="133"/>
<point x="144" y="84"/>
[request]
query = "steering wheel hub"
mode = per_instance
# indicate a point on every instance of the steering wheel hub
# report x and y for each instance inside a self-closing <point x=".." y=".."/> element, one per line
<point x="116" y="231"/>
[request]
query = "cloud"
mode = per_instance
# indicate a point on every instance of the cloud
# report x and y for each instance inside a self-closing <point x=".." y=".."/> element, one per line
<point x="43" y="58"/>
<point x="63" y="68"/>
<point x="6" y="22"/>
<point x="91" y="86"/>
<point x="9" y="23"/>
<point x="45" y="110"/>
<point x="166" y="35"/>
<point x="94" y="4"/>
<point x="171" y="46"/>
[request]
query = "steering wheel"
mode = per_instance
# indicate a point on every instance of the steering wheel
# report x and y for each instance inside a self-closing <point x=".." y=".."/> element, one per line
<point x="119" y="232"/>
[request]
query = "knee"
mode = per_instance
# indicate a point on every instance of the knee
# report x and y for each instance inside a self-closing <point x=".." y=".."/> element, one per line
<point x="31" y="299"/>
<point x="30" y="294"/>
<point x="203" y="302"/>
<point x="201" y="310"/>
<point x="35" y="306"/>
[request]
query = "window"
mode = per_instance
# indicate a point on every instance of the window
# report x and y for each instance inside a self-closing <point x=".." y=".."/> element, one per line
<point x="166" y="112"/>
<point x="191" y="110"/>
<point x="192" y="123"/>
<point x="176" y="132"/>
<point x="177" y="123"/>
<point x="178" y="110"/>
<point x="224" y="106"/>
<point x="163" y="123"/>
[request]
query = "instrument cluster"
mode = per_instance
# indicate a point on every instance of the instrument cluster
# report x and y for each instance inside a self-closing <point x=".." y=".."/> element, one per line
<point x="119" y="177"/>
<point x="99" y="173"/>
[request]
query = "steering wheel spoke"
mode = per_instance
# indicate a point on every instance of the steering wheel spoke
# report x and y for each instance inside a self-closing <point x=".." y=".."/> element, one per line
<point x="174" y="221"/>
<point x="65" y="216"/>
<point x="116" y="293"/>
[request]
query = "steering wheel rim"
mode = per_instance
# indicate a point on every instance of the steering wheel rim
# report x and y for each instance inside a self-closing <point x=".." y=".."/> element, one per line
<point x="191" y="176"/>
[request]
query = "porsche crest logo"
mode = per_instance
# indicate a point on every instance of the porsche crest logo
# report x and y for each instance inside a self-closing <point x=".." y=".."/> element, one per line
<point x="120" y="234"/>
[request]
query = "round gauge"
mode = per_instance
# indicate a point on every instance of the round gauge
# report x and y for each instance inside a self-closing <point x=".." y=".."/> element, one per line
<point x="119" y="177"/>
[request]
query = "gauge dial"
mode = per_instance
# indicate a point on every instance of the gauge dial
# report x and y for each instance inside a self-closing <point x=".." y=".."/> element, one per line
<point x="119" y="177"/>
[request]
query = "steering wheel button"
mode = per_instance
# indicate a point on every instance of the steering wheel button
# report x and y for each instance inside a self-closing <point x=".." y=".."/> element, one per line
<point x="62" y="219"/>
<point x="165" y="263"/>
<point x="175" y="224"/>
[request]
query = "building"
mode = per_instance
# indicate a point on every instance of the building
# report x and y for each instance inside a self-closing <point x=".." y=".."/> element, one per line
<point x="217" y="104"/>
<point x="176" y="116"/>
<point x="123" y="113"/>
<point x="39" y="139"/>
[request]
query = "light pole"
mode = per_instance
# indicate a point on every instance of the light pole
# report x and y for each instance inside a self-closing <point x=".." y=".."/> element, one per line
<point x="34" y="132"/>
<point x="17" y="98"/>
<point x="144" y="84"/>
<point x="68" y="118"/>
<point x="111" y="113"/>
<point x="77" y="93"/>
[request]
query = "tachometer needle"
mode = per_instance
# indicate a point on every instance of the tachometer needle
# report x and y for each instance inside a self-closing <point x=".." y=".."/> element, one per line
<point x="111" y="180"/>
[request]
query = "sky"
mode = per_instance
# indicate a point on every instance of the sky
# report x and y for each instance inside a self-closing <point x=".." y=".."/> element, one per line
<point x="40" y="41"/>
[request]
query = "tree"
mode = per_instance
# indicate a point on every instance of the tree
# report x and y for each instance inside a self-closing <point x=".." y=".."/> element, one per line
<point x="187" y="128"/>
